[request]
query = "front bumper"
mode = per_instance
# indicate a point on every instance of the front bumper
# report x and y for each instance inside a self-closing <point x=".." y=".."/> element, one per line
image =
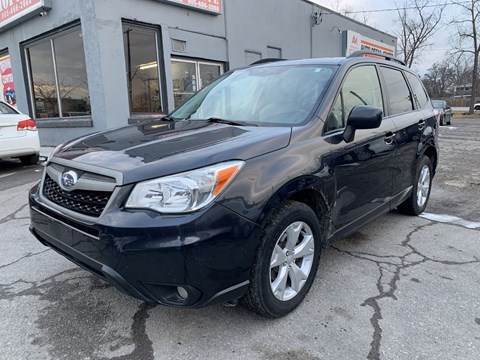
<point x="208" y="254"/>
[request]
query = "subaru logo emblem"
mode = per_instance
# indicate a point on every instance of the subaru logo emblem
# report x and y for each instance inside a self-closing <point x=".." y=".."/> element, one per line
<point x="69" y="179"/>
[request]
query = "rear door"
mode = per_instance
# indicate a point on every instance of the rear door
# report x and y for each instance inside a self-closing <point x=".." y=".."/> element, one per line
<point x="363" y="169"/>
<point x="408" y="109"/>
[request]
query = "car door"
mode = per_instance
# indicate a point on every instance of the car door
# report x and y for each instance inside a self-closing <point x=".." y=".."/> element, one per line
<point x="408" y="109"/>
<point x="362" y="169"/>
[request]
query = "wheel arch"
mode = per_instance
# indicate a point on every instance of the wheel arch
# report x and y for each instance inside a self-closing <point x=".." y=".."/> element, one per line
<point x="309" y="191"/>
<point x="432" y="153"/>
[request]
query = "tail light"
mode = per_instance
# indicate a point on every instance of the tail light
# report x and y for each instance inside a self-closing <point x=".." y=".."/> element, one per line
<point x="27" y="125"/>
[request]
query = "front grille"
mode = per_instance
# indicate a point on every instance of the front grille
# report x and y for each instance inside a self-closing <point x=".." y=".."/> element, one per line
<point x="90" y="203"/>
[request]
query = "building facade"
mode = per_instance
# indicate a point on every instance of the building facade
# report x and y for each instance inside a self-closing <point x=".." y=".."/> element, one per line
<point x="83" y="66"/>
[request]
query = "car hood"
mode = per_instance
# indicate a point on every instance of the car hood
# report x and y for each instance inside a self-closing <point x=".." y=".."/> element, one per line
<point x="162" y="148"/>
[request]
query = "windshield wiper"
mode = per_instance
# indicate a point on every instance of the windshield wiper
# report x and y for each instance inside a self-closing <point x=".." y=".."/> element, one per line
<point x="228" y="122"/>
<point x="169" y="118"/>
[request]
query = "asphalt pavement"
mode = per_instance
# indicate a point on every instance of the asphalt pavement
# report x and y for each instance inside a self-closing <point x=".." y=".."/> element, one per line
<point x="400" y="288"/>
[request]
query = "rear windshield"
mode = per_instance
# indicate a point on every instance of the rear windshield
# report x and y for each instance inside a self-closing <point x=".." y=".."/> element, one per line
<point x="271" y="95"/>
<point x="437" y="104"/>
<point x="6" y="110"/>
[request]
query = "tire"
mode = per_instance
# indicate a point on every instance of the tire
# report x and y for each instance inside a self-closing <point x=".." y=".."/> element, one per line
<point x="422" y="185"/>
<point x="30" y="159"/>
<point x="275" y="261"/>
<point x="449" y="120"/>
<point x="441" y="121"/>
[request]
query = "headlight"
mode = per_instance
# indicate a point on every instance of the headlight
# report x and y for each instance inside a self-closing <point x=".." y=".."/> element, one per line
<point x="185" y="192"/>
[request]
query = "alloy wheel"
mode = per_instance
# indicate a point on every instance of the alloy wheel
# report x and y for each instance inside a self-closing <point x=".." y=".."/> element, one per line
<point x="291" y="261"/>
<point x="423" y="186"/>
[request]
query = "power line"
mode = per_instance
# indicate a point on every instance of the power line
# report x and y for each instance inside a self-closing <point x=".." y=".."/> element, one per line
<point x="402" y="8"/>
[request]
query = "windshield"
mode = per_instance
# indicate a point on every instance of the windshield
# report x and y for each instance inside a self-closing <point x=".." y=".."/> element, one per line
<point x="271" y="95"/>
<point x="437" y="104"/>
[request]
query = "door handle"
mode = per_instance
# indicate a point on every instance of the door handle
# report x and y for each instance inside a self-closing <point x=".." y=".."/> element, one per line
<point x="389" y="138"/>
<point x="422" y="124"/>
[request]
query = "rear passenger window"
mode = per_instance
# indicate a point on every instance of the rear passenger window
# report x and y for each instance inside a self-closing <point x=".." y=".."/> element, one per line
<point x="361" y="87"/>
<point x="418" y="90"/>
<point x="400" y="99"/>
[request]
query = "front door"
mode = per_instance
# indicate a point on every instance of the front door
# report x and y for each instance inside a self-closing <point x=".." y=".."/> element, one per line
<point x="362" y="169"/>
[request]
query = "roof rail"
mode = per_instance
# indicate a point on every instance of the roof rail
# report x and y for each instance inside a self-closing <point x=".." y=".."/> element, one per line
<point x="361" y="53"/>
<point x="266" y="60"/>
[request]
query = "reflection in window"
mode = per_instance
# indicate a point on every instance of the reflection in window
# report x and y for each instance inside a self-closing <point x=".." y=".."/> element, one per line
<point x="361" y="87"/>
<point x="418" y="89"/>
<point x="398" y="92"/>
<point x="72" y="74"/>
<point x="189" y="76"/>
<point x="64" y="93"/>
<point x="141" y="58"/>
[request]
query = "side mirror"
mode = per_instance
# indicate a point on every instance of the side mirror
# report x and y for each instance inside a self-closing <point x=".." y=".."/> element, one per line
<point x="362" y="117"/>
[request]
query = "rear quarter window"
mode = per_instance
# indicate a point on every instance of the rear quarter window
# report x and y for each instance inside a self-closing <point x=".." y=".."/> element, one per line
<point x="419" y="93"/>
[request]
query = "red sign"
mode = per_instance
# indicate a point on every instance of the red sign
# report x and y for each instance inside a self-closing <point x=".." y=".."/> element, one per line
<point x="7" y="88"/>
<point x="214" y="6"/>
<point x="11" y="10"/>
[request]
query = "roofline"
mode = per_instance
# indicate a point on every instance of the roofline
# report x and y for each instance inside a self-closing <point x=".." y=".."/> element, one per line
<point x="327" y="10"/>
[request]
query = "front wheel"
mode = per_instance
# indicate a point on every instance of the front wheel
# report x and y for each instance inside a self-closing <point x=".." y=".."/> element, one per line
<point x="422" y="185"/>
<point x="286" y="261"/>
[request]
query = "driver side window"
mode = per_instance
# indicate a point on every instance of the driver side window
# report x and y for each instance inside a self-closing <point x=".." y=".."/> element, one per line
<point x="361" y="87"/>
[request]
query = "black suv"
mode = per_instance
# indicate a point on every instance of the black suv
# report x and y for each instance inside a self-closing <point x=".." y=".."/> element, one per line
<point x="234" y="194"/>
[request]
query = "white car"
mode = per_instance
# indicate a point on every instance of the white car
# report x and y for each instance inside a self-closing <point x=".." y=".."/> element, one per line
<point x="18" y="136"/>
<point x="476" y="106"/>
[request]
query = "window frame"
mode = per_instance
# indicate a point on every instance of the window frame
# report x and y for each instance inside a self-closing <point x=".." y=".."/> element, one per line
<point x="197" y="63"/>
<point x="417" y="102"/>
<point x="49" y="37"/>
<point x="339" y="92"/>
<point x="160" y="58"/>
<point x="387" y="95"/>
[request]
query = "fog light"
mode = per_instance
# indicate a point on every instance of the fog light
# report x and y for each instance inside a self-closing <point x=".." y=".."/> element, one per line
<point x="182" y="292"/>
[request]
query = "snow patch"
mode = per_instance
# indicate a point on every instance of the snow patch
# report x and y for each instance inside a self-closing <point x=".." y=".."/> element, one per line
<point x="450" y="219"/>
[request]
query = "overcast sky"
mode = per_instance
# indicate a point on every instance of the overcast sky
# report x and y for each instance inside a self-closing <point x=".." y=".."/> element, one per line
<point x="387" y="22"/>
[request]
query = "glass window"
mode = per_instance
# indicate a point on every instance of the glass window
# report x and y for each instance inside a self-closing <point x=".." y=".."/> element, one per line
<point x="398" y="92"/>
<point x="361" y="87"/>
<point x="59" y="76"/>
<point x="184" y="76"/>
<point x="6" y="110"/>
<point x="72" y="74"/>
<point x="189" y="76"/>
<point x="421" y="96"/>
<point x="43" y="78"/>
<point x="273" y="96"/>
<point x="141" y="59"/>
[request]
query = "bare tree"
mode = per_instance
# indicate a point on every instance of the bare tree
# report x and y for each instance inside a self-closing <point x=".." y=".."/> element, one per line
<point x="467" y="24"/>
<point x="442" y="77"/>
<point x="419" y="20"/>
<point x="347" y="10"/>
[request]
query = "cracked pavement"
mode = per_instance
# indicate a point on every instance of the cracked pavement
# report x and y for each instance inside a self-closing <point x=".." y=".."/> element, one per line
<point x="399" y="288"/>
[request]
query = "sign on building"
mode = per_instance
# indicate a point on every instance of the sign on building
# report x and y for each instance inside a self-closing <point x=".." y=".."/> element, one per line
<point x="211" y="6"/>
<point x="7" y="88"/>
<point x="356" y="42"/>
<point x="13" y="12"/>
